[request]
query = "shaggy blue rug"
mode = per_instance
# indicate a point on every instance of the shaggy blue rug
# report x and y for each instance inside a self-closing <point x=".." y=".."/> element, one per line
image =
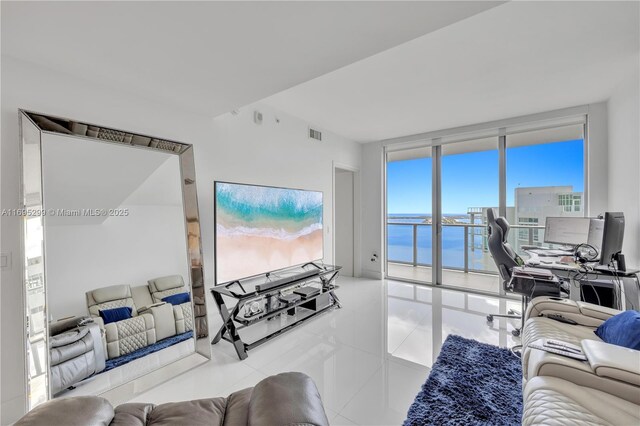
<point x="164" y="343"/>
<point x="471" y="383"/>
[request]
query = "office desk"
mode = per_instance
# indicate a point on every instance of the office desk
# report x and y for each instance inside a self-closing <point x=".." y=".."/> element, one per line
<point x="626" y="284"/>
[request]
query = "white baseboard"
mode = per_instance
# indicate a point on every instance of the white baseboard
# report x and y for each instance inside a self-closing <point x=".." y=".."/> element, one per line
<point x="374" y="275"/>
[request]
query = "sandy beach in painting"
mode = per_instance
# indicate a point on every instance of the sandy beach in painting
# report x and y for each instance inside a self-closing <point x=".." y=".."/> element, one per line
<point x="261" y="229"/>
<point x="241" y="256"/>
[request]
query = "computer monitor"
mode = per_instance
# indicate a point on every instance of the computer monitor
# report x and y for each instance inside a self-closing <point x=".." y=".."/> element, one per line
<point x="612" y="236"/>
<point x="566" y="230"/>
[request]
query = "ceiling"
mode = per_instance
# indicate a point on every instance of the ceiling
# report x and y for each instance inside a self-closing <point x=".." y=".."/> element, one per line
<point x="515" y="59"/>
<point x="212" y="57"/>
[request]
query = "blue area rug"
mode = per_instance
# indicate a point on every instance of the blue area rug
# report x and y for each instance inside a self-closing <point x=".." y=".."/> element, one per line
<point x="471" y="383"/>
<point x="164" y="343"/>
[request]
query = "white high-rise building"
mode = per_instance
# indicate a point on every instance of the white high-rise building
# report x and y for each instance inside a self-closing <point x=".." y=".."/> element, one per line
<point x="534" y="204"/>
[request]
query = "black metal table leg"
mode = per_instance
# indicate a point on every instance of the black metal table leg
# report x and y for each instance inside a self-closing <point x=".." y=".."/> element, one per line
<point x="228" y="327"/>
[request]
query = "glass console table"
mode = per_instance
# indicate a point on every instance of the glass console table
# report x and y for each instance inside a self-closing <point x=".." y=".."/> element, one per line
<point x="299" y="293"/>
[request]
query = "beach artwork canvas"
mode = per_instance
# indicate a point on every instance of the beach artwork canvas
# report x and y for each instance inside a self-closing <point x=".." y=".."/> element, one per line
<point x="261" y="229"/>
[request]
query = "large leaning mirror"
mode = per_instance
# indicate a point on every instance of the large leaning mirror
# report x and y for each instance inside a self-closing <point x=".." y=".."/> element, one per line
<point x="113" y="260"/>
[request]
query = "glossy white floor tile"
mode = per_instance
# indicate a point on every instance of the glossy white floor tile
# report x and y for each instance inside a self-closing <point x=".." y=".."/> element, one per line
<point x="368" y="359"/>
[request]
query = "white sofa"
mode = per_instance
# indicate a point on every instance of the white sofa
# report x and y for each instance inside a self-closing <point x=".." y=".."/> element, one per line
<point x="604" y="389"/>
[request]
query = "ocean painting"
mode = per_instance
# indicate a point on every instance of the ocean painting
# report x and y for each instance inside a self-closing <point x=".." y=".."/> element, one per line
<point x="261" y="229"/>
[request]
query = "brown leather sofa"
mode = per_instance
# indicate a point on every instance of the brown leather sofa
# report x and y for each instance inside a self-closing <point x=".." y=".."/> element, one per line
<point x="283" y="399"/>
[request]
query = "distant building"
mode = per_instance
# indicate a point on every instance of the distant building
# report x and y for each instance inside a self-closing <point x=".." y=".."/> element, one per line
<point x="532" y="206"/>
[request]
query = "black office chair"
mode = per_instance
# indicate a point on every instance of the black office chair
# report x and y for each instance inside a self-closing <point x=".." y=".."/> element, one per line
<point x="504" y="257"/>
<point x="528" y="282"/>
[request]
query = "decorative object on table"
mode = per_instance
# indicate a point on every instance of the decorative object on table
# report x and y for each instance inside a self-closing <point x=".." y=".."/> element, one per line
<point x="470" y="383"/>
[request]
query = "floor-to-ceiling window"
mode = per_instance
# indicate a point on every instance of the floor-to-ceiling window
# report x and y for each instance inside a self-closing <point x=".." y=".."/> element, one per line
<point x="544" y="178"/>
<point x="526" y="173"/>
<point x="409" y="201"/>
<point x="469" y="186"/>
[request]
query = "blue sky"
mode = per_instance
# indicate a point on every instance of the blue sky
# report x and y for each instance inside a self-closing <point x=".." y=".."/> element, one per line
<point x="471" y="180"/>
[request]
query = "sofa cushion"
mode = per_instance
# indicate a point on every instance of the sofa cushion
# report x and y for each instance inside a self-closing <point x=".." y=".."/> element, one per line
<point x="166" y="283"/>
<point x="107" y="294"/>
<point x="621" y="330"/>
<point x="286" y="399"/>
<point x="178" y="298"/>
<point x="237" y="411"/>
<point x="77" y="411"/>
<point x="198" y="412"/>
<point x="553" y="401"/>
<point x="132" y="414"/>
<point x="115" y="314"/>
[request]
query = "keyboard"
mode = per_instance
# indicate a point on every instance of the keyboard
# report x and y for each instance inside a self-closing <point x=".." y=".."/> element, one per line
<point x="551" y="252"/>
<point x="290" y="279"/>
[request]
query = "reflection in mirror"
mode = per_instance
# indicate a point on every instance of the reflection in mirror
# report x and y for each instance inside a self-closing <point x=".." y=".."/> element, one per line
<point x="123" y="292"/>
<point x="34" y="265"/>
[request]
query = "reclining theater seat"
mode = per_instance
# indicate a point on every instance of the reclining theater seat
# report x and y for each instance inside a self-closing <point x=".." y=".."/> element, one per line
<point x="604" y="389"/>
<point x="75" y="352"/>
<point x="125" y="336"/>
<point x="169" y="286"/>
<point x="283" y="399"/>
<point x="538" y="326"/>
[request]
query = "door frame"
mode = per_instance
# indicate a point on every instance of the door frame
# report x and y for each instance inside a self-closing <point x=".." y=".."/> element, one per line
<point x="357" y="228"/>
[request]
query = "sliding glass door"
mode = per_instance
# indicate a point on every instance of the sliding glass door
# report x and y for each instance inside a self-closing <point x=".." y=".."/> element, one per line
<point x="469" y="186"/>
<point x="409" y="227"/>
<point x="438" y="195"/>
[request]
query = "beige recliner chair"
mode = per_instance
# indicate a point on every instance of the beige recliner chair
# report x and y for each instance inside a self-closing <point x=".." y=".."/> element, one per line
<point x="125" y="336"/>
<point x="539" y="326"/>
<point x="169" y="286"/>
<point x="603" y="389"/>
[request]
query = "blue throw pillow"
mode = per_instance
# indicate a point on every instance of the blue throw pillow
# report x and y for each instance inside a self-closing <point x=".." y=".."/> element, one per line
<point x="622" y="330"/>
<point x="116" y="314"/>
<point x="177" y="299"/>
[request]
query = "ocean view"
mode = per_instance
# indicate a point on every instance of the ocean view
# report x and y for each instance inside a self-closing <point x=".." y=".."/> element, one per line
<point x="400" y="240"/>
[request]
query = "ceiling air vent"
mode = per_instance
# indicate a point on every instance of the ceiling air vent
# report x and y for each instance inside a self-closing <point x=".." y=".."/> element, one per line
<point x="315" y="134"/>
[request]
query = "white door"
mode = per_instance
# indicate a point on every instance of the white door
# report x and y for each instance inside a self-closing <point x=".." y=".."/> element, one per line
<point x="344" y="221"/>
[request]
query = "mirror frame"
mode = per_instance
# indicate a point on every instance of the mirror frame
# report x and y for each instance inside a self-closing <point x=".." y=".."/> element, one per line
<point x="32" y="206"/>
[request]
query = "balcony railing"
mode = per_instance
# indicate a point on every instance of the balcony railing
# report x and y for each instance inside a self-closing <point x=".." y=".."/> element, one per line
<point x="471" y="245"/>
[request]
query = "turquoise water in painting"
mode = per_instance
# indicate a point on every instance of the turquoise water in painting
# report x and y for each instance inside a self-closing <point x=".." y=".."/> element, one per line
<point x="267" y="211"/>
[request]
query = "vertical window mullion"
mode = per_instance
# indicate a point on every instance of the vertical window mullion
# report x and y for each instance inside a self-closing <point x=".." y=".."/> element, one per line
<point x="502" y="173"/>
<point x="436" y="214"/>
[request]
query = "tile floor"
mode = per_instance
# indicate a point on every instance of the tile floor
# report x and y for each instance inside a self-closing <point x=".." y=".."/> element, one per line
<point x="368" y="359"/>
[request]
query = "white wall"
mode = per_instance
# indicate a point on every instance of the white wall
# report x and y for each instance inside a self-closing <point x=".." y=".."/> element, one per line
<point x="624" y="161"/>
<point x="597" y="159"/>
<point x="122" y="250"/>
<point x="277" y="154"/>
<point x="228" y="148"/>
<point x="372" y="209"/>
